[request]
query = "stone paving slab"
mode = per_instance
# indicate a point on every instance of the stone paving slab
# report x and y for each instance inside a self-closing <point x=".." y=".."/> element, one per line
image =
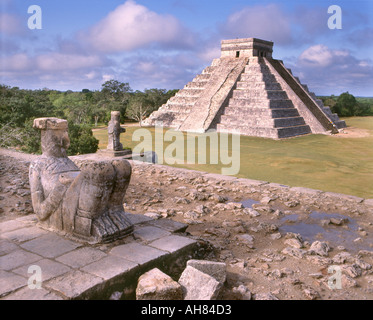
<point x="70" y="270"/>
<point x="137" y="253"/>
<point x="109" y="267"/>
<point x="24" y="234"/>
<point x="149" y="233"/>
<point x="7" y="247"/>
<point x="17" y="258"/>
<point x="74" y="283"/>
<point x="50" y="245"/>
<point x="169" y="225"/>
<point x="81" y="257"/>
<point x="34" y="294"/>
<point x="172" y="243"/>
<point x="50" y="269"/>
<point x="10" y="282"/>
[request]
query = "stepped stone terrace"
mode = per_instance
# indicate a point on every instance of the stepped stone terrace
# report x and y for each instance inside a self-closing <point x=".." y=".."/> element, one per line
<point x="248" y="92"/>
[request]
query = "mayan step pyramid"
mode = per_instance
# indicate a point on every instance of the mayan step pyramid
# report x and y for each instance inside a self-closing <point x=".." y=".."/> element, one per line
<point x="246" y="91"/>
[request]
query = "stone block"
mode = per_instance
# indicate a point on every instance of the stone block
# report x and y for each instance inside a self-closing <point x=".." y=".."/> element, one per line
<point x="74" y="284"/>
<point x="156" y="285"/>
<point x="81" y="257"/>
<point x="138" y="218"/>
<point x="7" y="247"/>
<point x="169" y="225"/>
<point x="24" y="234"/>
<point x="49" y="269"/>
<point x="17" y="258"/>
<point x="198" y="285"/>
<point x="50" y="245"/>
<point x="109" y="267"/>
<point x="172" y="243"/>
<point x="10" y="282"/>
<point x="32" y="294"/>
<point x="217" y="270"/>
<point x="149" y="233"/>
<point x="137" y="253"/>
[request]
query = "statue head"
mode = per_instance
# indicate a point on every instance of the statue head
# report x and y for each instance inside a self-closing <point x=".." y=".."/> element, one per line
<point x="115" y="115"/>
<point x="54" y="136"/>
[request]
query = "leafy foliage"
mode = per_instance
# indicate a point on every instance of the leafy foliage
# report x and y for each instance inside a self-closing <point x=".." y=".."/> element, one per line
<point x="19" y="107"/>
<point x="346" y="105"/>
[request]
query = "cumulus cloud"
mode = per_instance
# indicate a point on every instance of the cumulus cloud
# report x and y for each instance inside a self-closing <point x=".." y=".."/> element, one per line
<point x="131" y="26"/>
<point x="328" y="70"/>
<point x="266" y="22"/>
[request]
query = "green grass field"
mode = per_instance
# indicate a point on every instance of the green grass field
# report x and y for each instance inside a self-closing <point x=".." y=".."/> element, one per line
<point x="336" y="164"/>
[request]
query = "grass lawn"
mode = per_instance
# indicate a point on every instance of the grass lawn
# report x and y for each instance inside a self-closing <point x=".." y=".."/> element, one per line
<point x="329" y="163"/>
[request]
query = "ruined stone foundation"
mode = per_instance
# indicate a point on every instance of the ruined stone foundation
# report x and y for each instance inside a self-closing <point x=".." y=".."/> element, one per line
<point x="246" y="91"/>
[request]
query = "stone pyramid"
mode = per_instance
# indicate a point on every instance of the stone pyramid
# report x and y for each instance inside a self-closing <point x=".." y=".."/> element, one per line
<point x="246" y="91"/>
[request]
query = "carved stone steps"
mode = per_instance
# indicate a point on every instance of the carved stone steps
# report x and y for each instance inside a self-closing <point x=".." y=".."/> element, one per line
<point x="258" y="85"/>
<point x="261" y="103"/>
<point x="254" y="93"/>
<point x="263" y="121"/>
<point x="245" y="113"/>
<point x="273" y="133"/>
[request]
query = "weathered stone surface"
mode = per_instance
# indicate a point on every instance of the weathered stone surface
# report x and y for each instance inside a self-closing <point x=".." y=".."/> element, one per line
<point x="320" y="248"/>
<point x="265" y="296"/>
<point x="243" y="292"/>
<point x="84" y="199"/>
<point x="81" y="257"/>
<point x="198" y="285"/>
<point x="214" y="269"/>
<point x="50" y="245"/>
<point x="150" y="233"/>
<point x="137" y="253"/>
<point x="172" y="243"/>
<point x="17" y="258"/>
<point x="32" y="294"/>
<point x="10" y="282"/>
<point x="75" y="283"/>
<point x="109" y="267"/>
<point x="156" y="285"/>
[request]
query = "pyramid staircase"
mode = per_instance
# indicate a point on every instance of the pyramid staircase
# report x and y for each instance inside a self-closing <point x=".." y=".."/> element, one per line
<point x="259" y="106"/>
<point x="251" y="94"/>
<point x="176" y="110"/>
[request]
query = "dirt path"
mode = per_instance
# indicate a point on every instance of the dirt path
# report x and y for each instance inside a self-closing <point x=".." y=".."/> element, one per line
<point x="277" y="242"/>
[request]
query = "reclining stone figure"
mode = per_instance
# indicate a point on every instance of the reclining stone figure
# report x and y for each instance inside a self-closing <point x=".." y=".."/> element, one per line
<point x="82" y="199"/>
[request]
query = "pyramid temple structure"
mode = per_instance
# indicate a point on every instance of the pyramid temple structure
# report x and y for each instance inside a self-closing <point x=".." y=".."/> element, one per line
<point x="248" y="92"/>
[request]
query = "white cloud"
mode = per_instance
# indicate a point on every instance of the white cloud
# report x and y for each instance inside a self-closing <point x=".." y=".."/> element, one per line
<point x="266" y="22"/>
<point x="131" y="26"/>
<point x="327" y="71"/>
<point x="318" y="55"/>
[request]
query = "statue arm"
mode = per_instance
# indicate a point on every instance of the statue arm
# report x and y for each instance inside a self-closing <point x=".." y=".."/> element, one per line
<point x="44" y="207"/>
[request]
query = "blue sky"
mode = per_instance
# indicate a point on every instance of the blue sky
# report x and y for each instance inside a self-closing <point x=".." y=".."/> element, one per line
<point x="165" y="43"/>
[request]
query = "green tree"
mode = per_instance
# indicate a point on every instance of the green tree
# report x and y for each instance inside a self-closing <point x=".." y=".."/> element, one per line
<point x="115" y="96"/>
<point x="82" y="140"/>
<point x="138" y="107"/>
<point x="346" y="105"/>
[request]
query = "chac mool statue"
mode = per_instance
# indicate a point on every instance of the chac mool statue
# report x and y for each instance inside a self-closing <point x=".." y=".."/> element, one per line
<point x="84" y="200"/>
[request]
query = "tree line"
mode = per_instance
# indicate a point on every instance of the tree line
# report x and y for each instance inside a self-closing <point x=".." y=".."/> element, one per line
<point x="87" y="109"/>
<point x="83" y="110"/>
<point x="346" y="105"/>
